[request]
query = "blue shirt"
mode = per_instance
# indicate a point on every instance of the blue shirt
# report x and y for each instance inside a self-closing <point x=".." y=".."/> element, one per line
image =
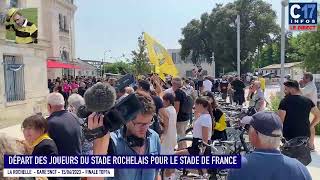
<point x="121" y="148"/>
<point x="269" y="165"/>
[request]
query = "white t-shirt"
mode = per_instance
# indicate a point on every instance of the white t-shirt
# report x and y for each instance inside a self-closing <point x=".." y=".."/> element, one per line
<point x="170" y="138"/>
<point x="170" y="90"/>
<point x="203" y="121"/>
<point x="310" y="91"/>
<point x="187" y="89"/>
<point x="207" y="85"/>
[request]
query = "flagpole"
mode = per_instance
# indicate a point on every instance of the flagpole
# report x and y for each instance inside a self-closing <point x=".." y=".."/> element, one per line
<point x="238" y="45"/>
<point x="214" y="65"/>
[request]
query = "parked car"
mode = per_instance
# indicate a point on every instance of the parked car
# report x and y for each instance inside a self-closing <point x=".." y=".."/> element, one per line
<point x="270" y="75"/>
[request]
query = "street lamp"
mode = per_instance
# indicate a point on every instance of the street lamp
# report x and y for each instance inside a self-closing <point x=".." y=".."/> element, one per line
<point x="284" y="3"/>
<point x="238" y="45"/>
<point x="214" y="65"/>
<point x="103" y="60"/>
<point x="237" y="24"/>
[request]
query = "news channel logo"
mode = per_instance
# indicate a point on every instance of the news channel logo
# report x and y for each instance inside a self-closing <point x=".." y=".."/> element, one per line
<point x="303" y="16"/>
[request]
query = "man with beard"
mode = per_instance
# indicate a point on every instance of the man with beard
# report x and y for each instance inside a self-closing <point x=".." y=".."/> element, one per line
<point x="135" y="138"/>
<point x="294" y="111"/>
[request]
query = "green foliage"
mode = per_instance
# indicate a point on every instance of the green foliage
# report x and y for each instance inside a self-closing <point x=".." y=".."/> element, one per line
<point x="318" y="129"/>
<point x="270" y="53"/>
<point x="216" y="32"/>
<point x="309" y="48"/>
<point x="31" y="14"/>
<point x="140" y="61"/>
<point x="118" y="68"/>
<point x="274" y="103"/>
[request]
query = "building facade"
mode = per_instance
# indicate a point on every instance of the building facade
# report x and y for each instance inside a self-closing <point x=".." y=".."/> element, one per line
<point x="295" y="70"/>
<point x="185" y="66"/>
<point x="86" y="69"/>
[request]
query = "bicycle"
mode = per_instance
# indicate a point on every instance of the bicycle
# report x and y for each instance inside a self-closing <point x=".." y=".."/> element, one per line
<point x="211" y="174"/>
<point x="219" y="147"/>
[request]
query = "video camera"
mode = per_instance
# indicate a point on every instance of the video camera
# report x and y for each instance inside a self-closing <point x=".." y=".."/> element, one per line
<point x="100" y="98"/>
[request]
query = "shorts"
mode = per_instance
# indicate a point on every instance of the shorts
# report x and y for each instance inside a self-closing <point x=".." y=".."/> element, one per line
<point x="239" y="98"/>
<point x="194" y="148"/>
<point x="181" y="129"/>
<point x="222" y="135"/>
<point x="198" y="85"/>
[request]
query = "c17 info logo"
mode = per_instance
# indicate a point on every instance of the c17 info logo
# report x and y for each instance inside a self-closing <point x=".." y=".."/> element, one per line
<point x="303" y="16"/>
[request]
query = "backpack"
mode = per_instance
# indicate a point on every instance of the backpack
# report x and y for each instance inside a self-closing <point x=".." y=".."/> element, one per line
<point x="298" y="148"/>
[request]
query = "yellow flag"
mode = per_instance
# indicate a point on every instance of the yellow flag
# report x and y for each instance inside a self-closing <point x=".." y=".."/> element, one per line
<point x="160" y="58"/>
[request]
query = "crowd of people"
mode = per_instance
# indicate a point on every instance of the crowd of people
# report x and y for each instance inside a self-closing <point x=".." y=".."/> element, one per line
<point x="169" y="107"/>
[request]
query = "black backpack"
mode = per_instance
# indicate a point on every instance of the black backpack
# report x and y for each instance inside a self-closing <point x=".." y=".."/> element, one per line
<point x="297" y="148"/>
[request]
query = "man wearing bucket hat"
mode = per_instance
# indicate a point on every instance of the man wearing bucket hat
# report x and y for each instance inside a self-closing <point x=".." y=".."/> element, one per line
<point x="26" y="32"/>
<point x="266" y="161"/>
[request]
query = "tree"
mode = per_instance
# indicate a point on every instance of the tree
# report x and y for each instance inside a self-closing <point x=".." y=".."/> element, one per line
<point x="140" y="60"/>
<point x="119" y="67"/>
<point x="309" y="47"/>
<point x="304" y="47"/>
<point x="216" y="32"/>
<point x="273" y="55"/>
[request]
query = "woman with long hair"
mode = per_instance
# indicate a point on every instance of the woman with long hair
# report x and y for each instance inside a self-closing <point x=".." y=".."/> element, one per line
<point x="169" y="138"/>
<point x="220" y="125"/>
<point x="202" y="128"/>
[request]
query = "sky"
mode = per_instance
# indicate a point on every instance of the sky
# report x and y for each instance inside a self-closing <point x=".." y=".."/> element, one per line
<point x="113" y="26"/>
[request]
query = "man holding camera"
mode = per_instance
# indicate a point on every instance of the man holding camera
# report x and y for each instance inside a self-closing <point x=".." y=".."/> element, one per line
<point x="135" y="138"/>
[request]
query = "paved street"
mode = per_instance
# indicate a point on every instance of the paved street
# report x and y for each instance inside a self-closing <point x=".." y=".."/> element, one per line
<point x="314" y="167"/>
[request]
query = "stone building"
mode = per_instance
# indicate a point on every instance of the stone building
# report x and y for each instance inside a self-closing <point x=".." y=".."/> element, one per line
<point x="185" y="67"/>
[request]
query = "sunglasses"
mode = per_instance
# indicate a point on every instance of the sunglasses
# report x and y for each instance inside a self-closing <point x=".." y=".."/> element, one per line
<point x="15" y="20"/>
<point x="141" y="125"/>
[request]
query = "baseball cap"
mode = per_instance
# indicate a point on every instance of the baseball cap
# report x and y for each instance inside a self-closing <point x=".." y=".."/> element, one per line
<point x="265" y="122"/>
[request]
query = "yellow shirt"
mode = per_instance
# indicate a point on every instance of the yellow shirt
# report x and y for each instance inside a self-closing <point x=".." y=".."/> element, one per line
<point x="39" y="139"/>
<point x="262" y="83"/>
<point x="221" y="124"/>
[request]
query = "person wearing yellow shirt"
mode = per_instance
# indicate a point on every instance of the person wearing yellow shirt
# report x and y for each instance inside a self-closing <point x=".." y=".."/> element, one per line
<point x="262" y="83"/>
<point x="220" y="125"/>
<point x="26" y="32"/>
